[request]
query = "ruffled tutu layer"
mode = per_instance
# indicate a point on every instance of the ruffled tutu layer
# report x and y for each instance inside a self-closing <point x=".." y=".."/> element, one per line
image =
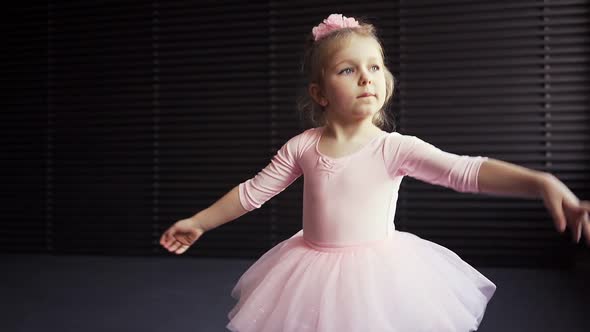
<point x="400" y="284"/>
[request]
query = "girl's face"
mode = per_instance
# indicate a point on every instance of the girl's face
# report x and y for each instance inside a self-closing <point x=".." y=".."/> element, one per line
<point x="353" y="82"/>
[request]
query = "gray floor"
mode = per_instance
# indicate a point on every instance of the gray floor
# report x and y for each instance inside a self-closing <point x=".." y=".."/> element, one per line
<point x="94" y="293"/>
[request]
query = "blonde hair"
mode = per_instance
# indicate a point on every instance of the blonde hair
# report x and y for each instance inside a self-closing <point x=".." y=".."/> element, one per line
<point x="314" y="56"/>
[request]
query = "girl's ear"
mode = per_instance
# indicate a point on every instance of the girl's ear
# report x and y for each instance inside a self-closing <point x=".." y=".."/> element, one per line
<point x="315" y="92"/>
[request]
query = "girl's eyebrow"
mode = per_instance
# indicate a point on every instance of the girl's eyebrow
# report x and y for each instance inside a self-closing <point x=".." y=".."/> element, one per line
<point x="351" y="61"/>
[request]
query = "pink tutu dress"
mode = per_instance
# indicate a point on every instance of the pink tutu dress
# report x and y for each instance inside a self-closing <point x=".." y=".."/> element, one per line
<point x="348" y="269"/>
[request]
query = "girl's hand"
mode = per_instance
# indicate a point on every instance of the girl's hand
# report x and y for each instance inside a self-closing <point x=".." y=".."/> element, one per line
<point x="566" y="209"/>
<point x="180" y="236"/>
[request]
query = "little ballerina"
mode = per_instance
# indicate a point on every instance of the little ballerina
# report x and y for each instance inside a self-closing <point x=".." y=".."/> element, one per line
<point x="349" y="269"/>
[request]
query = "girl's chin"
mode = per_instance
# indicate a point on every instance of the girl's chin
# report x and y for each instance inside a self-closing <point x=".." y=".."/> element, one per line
<point x="365" y="113"/>
<point x="360" y="113"/>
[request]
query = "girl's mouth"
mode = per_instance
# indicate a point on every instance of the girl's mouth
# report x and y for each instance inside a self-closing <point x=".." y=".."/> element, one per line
<point x="366" y="95"/>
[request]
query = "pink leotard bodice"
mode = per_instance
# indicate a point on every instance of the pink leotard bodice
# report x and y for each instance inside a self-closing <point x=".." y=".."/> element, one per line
<point x="352" y="200"/>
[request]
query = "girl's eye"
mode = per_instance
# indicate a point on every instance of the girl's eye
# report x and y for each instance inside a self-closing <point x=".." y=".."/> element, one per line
<point x="346" y="71"/>
<point x="375" y="67"/>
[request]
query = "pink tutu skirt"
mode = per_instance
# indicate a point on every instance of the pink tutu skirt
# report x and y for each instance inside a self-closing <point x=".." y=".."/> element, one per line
<point x="400" y="284"/>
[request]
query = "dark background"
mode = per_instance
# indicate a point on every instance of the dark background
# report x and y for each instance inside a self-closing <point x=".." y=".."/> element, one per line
<point x="122" y="117"/>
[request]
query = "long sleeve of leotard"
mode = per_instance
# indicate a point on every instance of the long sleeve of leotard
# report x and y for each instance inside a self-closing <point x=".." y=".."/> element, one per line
<point x="282" y="170"/>
<point x="409" y="155"/>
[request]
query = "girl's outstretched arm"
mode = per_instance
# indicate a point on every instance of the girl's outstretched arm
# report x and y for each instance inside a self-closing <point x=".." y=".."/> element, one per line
<point x="180" y="236"/>
<point x="500" y="178"/>
<point x="497" y="177"/>
<point x="282" y="170"/>
<point x="224" y="210"/>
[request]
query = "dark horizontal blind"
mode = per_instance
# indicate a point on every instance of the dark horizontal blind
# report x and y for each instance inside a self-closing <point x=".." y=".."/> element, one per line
<point x="101" y="105"/>
<point x="128" y="116"/>
<point x="23" y="129"/>
<point x="503" y="80"/>
<point x="212" y="115"/>
<point x="158" y="109"/>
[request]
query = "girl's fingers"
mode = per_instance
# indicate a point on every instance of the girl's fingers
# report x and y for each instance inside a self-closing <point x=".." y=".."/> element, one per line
<point x="581" y="219"/>
<point x="586" y="229"/>
<point x="182" y="238"/>
<point x="182" y="249"/>
<point x="164" y="239"/>
<point x="169" y="240"/>
<point x="188" y="240"/>
<point x="179" y="238"/>
<point x="585" y="220"/>
<point x="177" y="243"/>
<point x="575" y="225"/>
<point x="579" y="225"/>
<point x="556" y="210"/>
<point x="175" y="246"/>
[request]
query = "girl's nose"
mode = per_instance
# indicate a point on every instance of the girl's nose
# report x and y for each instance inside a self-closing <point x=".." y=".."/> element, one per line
<point x="365" y="79"/>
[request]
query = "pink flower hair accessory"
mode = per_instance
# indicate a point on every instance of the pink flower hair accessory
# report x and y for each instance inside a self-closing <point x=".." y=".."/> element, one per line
<point x="332" y="23"/>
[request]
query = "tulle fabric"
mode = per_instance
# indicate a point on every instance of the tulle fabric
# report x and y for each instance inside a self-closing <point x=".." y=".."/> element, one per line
<point x="400" y="284"/>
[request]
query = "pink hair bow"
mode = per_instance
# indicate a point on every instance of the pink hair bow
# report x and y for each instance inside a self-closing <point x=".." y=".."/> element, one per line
<point x="333" y="22"/>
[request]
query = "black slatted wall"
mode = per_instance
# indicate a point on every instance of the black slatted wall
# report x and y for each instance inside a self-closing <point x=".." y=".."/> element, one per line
<point x="24" y="130"/>
<point x="213" y="114"/>
<point x="101" y="111"/>
<point x="505" y="80"/>
<point x="125" y="116"/>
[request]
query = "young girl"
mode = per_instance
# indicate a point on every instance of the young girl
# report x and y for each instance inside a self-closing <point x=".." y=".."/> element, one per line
<point x="349" y="269"/>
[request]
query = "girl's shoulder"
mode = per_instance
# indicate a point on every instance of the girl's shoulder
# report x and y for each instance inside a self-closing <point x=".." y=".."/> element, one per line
<point x="395" y="137"/>
<point x="302" y="141"/>
<point x="400" y="138"/>
<point x="404" y="143"/>
<point x="307" y="135"/>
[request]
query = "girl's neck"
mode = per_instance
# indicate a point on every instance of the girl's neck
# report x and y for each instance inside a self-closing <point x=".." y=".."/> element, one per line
<point x="350" y="132"/>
